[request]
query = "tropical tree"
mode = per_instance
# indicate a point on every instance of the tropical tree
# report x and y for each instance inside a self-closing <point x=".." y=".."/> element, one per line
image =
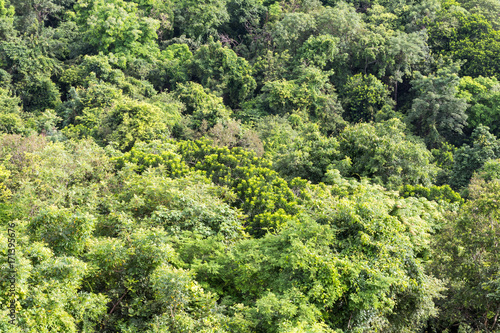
<point x="383" y="152"/>
<point x="117" y="26"/>
<point x="220" y="69"/>
<point x="363" y="96"/>
<point x="468" y="255"/>
<point x="437" y="112"/>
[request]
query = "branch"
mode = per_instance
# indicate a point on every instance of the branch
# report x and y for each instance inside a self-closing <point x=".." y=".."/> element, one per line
<point x="114" y="306"/>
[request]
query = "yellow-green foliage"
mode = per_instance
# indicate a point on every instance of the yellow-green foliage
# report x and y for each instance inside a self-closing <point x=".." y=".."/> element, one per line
<point x="5" y="193"/>
<point x="262" y="193"/>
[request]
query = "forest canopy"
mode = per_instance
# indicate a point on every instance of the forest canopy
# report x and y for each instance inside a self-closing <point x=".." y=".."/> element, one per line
<point x="249" y="166"/>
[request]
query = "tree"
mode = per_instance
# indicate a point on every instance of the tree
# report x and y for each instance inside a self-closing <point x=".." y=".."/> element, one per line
<point x="163" y="12"/>
<point x="49" y="291"/>
<point x="109" y="69"/>
<point x="199" y="19"/>
<point x="483" y="97"/>
<point x="116" y="26"/>
<point x="234" y="134"/>
<point x="40" y="94"/>
<point x="462" y="35"/>
<point x="436" y="193"/>
<point x="469" y="158"/>
<point x="297" y="149"/>
<point x="468" y="255"/>
<point x="363" y="96"/>
<point x="310" y="95"/>
<point x="65" y="231"/>
<point x="486" y="8"/>
<point x="202" y="105"/>
<point x="173" y="66"/>
<point x="437" y="113"/>
<point x="378" y="237"/>
<point x="383" y="152"/>
<point x="243" y="13"/>
<point x="130" y="121"/>
<point x="146" y="289"/>
<point x="477" y="43"/>
<point x="293" y="30"/>
<point x="319" y="51"/>
<point x="5" y="192"/>
<point x="32" y="14"/>
<point x="49" y="180"/>
<point x="220" y="69"/>
<point x="263" y="195"/>
<point x="11" y="116"/>
<point x="341" y="265"/>
<point x="6" y="20"/>
<point x="28" y="58"/>
<point x="186" y="203"/>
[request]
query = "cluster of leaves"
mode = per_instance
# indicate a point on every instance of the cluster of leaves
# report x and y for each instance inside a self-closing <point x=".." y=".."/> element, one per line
<point x="435" y="193"/>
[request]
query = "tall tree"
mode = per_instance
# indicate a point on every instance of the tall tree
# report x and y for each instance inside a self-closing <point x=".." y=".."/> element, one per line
<point x="468" y="255"/>
<point x="437" y="113"/>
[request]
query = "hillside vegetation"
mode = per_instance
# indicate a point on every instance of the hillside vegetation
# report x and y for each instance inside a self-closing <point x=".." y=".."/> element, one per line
<point x="250" y="166"/>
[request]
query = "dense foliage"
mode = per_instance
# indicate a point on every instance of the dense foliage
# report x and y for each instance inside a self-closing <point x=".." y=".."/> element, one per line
<point x="249" y="166"/>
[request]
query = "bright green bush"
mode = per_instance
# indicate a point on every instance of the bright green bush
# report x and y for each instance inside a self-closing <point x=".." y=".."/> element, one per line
<point x="436" y="193"/>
